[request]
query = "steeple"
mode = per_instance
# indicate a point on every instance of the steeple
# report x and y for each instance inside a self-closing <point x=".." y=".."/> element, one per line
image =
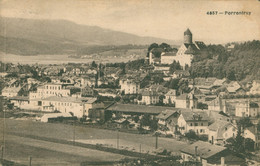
<point x="187" y="32"/>
<point x="188" y="36"/>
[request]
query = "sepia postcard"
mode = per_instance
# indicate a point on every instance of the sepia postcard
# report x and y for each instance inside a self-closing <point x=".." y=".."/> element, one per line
<point x="130" y="82"/>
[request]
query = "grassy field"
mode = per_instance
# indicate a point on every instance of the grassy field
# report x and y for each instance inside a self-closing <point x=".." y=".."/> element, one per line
<point x="19" y="148"/>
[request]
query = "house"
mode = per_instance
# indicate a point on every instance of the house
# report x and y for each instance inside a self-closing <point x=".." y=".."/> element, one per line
<point x="220" y="131"/>
<point x="150" y="97"/>
<point x="255" y="89"/>
<point x="170" y="97"/>
<point x="217" y="104"/>
<point x="219" y="82"/>
<point x="168" y="119"/>
<point x="77" y="106"/>
<point x="198" y="94"/>
<point x="87" y="91"/>
<point x="129" y="86"/>
<point x="235" y="88"/>
<point x="218" y="115"/>
<point x="11" y="91"/>
<point x="194" y="120"/>
<point x="210" y="155"/>
<point x="247" y="109"/>
<point x="20" y="101"/>
<point x="252" y="133"/>
<point x="186" y="101"/>
<point x="181" y="74"/>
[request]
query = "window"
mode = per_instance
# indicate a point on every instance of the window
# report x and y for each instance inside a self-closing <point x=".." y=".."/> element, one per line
<point x="190" y="124"/>
<point x="196" y="124"/>
<point x="201" y="124"/>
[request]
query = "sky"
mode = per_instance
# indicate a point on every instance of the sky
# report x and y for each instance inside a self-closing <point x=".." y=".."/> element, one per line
<point x="166" y="19"/>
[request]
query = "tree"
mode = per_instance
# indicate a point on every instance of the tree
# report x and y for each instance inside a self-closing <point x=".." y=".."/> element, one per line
<point x="249" y="144"/>
<point x="245" y="122"/>
<point x="183" y="86"/>
<point x="93" y="64"/>
<point x="145" y="121"/>
<point x="236" y="144"/>
<point x="174" y="66"/>
<point x="191" y="135"/>
<point x="154" y="45"/>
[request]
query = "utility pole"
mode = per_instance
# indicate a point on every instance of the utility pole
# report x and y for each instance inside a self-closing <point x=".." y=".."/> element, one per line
<point x="156" y="141"/>
<point x="30" y="160"/>
<point x="117" y="140"/>
<point x="74" y="133"/>
<point x="3" y="146"/>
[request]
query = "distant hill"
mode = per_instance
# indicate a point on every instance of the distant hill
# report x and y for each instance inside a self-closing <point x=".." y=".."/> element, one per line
<point x="31" y="36"/>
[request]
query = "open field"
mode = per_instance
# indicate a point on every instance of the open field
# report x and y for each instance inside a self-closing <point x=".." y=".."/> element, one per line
<point x="46" y="143"/>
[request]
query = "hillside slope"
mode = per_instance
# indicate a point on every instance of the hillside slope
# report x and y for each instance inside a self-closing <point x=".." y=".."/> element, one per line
<point x="29" y="36"/>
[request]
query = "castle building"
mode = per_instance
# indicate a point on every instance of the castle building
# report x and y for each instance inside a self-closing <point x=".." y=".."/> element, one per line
<point x="185" y="53"/>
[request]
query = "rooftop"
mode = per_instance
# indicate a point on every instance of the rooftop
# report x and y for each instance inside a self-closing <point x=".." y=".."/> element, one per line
<point x="133" y="108"/>
<point x="166" y="114"/>
<point x="87" y="100"/>
<point x="195" y="114"/>
<point x="205" y="150"/>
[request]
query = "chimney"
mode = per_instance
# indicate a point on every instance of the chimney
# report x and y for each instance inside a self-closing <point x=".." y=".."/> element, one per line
<point x="196" y="151"/>
<point x="222" y="161"/>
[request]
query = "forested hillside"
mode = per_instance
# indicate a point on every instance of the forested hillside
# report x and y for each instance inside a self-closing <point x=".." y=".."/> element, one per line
<point x="241" y="62"/>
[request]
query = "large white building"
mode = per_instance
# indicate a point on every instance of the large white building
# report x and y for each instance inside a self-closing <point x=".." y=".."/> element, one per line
<point x="196" y="121"/>
<point x="247" y="109"/>
<point x="77" y="106"/>
<point x="129" y="86"/>
<point x="50" y="89"/>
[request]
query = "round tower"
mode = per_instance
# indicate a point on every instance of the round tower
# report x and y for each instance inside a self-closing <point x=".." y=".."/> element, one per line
<point x="188" y="37"/>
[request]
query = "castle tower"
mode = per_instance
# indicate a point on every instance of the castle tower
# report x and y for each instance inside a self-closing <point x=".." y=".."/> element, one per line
<point x="188" y="37"/>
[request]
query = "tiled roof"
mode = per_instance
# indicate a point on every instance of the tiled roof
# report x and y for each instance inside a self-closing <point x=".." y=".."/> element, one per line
<point x="11" y="89"/>
<point x="166" y="114"/>
<point x="149" y="93"/>
<point x="251" y="129"/>
<point x="190" y="50"/>
<point x="133" y="108"/>
<point x="70" y="99"/>
<point x="201" y="45"/>
<point x="220" y="127"/>
<point x="24" y="98"/>
<point x="195" y="115"/>
<point x="169" y="54"/>
<point x="204" y="149"/>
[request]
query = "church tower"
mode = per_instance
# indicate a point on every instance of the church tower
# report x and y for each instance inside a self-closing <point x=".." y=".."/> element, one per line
<point x="188" y="37"/>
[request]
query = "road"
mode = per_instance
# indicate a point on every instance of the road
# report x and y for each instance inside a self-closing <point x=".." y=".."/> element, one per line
<point x="44" y="142"/>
